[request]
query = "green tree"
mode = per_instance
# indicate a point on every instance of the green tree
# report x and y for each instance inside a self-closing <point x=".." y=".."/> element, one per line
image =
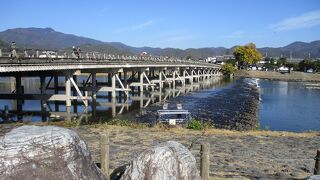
<point x="189" y="57"/>
<point x="305" y="64"/>
<point x="317" y="65"/>
<point x="228" y="69"/>
<point x="231" y="61"/>
<point x="282" y="61"/>
<point x="292" y="65"/>
<point x="247" y="54"/>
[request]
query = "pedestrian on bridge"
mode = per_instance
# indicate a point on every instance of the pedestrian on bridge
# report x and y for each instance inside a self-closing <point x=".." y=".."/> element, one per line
<point x="75" y="53"/>
<point x="13" y="47"/>
<point x="78" y="51"/>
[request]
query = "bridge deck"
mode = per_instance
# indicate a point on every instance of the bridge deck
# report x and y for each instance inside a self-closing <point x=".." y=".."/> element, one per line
<point x="41" y="64"/>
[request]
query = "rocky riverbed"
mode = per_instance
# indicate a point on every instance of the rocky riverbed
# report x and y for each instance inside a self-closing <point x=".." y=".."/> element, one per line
<point x="233" y="107"/>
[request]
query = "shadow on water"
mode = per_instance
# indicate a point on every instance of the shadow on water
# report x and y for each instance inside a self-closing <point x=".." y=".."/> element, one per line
<point x="102" y="109"/>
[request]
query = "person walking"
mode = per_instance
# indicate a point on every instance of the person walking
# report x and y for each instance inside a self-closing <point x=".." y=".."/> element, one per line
<point x="13" y="47"/>
<point x="79" y="51"/>
<point x="74" y="52"/>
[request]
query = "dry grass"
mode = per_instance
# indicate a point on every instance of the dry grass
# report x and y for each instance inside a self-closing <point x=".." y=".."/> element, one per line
<point x="177" y="130"/>
<point x="206" y="132"/>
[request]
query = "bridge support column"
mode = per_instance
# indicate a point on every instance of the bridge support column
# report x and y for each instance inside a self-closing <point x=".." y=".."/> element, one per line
<point x="197" y="75"/>
<point x="125" y="78"/>
<point x="94" y="85"/>
<point x="68" y="90"/>
<point x="160" y="80"/>
<point x="113" y="106"/>
<point x="191" y="78"/>
<point x="184" y="77"/>
<point x="113" y="85"/>
<point x="160" y="86"/>
<point x="19" y="92"/>
<point x="174" y="83"/>
<point x="74" y="93"/>
<point x="13" y="90"/>
<point x="42" y="101"/>
<point x="141" y="74"/>
<point x="56" y="91"/>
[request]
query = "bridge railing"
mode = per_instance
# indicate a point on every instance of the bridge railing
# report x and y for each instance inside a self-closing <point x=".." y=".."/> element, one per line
<point x="32" y="56"/>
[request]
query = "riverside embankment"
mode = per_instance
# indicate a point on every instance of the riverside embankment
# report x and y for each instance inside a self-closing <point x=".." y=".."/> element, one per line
<point x="293" y="76"/>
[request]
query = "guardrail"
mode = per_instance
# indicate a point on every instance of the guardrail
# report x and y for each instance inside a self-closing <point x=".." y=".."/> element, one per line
<point x="68" y="57"/>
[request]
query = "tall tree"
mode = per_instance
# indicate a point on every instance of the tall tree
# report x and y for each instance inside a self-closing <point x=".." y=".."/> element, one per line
<point x="247" y="54"/>
<point x="282" y="61"/>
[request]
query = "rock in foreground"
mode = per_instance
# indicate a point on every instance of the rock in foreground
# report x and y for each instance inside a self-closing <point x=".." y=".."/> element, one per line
<point x="169" y="160"/>
<point x="49" y="152"/>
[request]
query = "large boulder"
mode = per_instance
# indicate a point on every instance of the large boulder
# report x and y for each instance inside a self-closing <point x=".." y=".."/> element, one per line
<point x="169" y="160"/>
<point x="45" y="152"/>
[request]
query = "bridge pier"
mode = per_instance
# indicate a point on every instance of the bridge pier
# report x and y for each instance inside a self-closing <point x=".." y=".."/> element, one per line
<point x="94" y="86"/>
<point x="43" y="101"/>
<point x="19" y="94"/>
<point x="113" y="85"/>
<point x="56" y="91"/>
<point x="13" y="91"/>
<point x="68" y="90"/>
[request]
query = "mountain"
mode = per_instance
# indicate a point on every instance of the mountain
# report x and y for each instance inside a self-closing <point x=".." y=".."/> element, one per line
<point x="44" y="38"/>
<point x="3" y="45"/>
<point x="297" y="50"/>
<point x="47" y="38"/>
<point x="102" y="48"/>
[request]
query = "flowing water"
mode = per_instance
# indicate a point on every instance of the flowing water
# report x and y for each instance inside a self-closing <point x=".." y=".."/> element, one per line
<point x="287" y="106"/>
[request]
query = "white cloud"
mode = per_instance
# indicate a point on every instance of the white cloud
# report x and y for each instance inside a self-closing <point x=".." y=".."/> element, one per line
<point x="102" y="12"/>
<point x="178" y="38"/>
<point x="143" y="25"/>
<point x="137" y="26"/>
<point x="305" y="20"/>
<point x="235" y="35"/>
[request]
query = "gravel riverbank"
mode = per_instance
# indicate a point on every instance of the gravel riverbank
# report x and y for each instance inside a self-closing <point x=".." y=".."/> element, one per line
<point x="233" y="154"/>
<point x="239" y="155"/>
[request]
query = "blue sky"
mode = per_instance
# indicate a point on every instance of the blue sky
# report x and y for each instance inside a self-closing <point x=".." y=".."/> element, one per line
<point x="172" y="23"/>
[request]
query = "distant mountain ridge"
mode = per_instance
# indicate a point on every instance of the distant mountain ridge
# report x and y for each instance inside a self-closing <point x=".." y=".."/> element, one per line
<point x="47" y="38"/>
<point x="44" y="38"/>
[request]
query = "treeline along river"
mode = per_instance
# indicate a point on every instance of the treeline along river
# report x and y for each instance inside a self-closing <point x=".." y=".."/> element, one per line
<point x="238" y="104"/>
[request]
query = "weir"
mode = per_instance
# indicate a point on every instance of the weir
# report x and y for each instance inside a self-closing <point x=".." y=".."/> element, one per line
<point x="122" y="74"/>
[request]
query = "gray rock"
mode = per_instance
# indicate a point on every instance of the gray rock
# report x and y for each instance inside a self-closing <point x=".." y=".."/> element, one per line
<point x="169" y="160"/>
<point x="48" y="152"/>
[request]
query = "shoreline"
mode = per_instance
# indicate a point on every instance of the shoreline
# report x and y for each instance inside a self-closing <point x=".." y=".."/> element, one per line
<point x="294" y="76"/>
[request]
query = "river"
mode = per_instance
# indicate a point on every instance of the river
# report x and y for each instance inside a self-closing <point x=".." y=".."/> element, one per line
<point x="289" y="106"/>
<point x="240" y="104"/>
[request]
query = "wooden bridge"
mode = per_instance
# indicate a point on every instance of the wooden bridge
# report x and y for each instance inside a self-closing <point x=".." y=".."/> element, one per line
<point x="123" y="74"/>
